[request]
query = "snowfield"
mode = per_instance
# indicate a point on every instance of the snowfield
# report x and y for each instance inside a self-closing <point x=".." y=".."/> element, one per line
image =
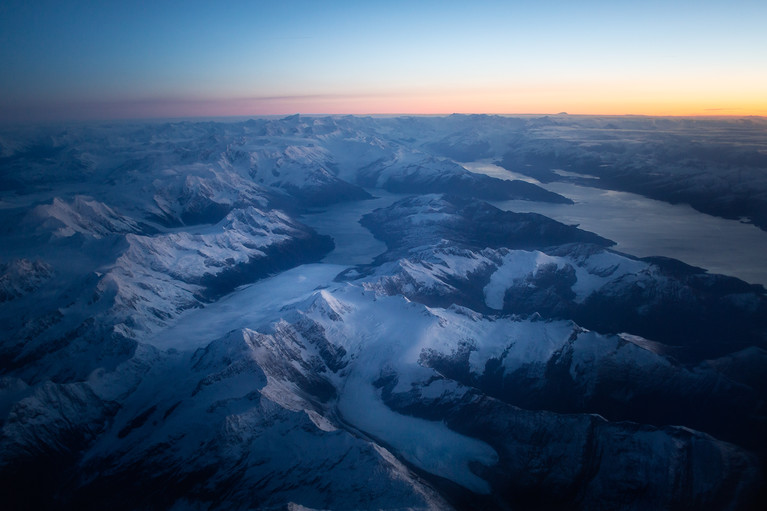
<point x="326" y="313"/>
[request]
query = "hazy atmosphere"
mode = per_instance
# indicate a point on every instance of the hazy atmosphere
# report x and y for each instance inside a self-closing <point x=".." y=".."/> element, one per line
<point x="435" y="256"/>
<point x="104" y="60"/>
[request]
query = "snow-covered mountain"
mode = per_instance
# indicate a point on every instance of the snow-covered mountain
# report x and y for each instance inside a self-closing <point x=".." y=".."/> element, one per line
<point x="171" y="339"/>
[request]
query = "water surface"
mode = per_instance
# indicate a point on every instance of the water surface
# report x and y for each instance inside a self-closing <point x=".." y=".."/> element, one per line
<point x="645" y="227"/>
<point x="354" y="244"/>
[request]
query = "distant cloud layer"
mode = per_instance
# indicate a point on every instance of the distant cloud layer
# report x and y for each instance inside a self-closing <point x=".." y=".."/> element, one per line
<point x="79" y="60"/>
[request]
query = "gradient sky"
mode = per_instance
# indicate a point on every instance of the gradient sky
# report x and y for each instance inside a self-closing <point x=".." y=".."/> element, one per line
<point x="90" y="59"/>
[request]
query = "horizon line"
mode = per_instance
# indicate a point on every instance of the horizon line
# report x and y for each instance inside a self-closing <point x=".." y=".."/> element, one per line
<point x="223" y="118"/>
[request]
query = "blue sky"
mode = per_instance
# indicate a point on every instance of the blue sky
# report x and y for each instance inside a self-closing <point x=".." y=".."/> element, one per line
<point x="71" y="59"/>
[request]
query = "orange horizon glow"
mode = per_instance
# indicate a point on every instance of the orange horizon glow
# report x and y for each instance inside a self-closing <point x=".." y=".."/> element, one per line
<point x="495" y="103"/>
<point x="113" y="61"/>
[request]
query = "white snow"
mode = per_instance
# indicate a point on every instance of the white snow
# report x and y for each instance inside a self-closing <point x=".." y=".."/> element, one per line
<point x="591" y="348"/>
<point x="155" y="280"/>
<point x="429" y="445"/>
<point x="251" y="306"/>
<point x="516" y="266"/>
<point x="591" y="272"/>
<point x="379" y="332"/>
<point x="82" y="215"/>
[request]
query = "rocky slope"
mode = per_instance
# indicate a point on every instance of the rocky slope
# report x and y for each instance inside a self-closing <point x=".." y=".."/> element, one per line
<point x="167" y="342"/>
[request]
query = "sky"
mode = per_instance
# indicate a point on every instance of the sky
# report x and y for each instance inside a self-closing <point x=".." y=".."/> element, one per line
<point x="78" y="59"/>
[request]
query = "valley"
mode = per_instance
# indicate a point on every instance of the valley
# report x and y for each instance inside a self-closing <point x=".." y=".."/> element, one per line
<point x="368" y="313"/>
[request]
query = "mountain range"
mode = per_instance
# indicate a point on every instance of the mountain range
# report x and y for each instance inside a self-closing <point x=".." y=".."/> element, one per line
<point x="175" y="335"/>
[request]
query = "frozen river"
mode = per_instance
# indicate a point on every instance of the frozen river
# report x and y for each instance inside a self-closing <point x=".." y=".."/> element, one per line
<point x="641" y="227"/>
<point x="354" y="244"/>
<point x="645" y="227"/>
<point x="251" y="306"/>
<point x="256" y="305"/>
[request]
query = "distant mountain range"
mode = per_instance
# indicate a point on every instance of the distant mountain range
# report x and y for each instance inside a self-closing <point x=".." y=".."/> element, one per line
<point x="172" y="339"/>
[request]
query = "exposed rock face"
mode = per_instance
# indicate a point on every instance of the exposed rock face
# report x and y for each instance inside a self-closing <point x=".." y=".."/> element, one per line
<point x="22" y="276"/>
<point x="408" y="173"/>
<point x="276" y="408"/>
<point x="428" y="219"/>
<point x="716" y="166"/>
<point x="165" y="344"/>
<point x="450" y="250"/>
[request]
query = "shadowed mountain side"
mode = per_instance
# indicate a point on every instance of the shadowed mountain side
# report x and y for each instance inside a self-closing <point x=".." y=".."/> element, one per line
<point x="430" y="219"/>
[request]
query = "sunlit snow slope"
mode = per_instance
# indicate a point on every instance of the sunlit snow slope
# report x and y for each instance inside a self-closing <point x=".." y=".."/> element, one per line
<point x="329" y="313"/>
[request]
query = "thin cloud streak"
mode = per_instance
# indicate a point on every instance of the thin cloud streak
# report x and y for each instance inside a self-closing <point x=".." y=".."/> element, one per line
<point x="112" y="60"/>
<point x="520" y="101"/>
